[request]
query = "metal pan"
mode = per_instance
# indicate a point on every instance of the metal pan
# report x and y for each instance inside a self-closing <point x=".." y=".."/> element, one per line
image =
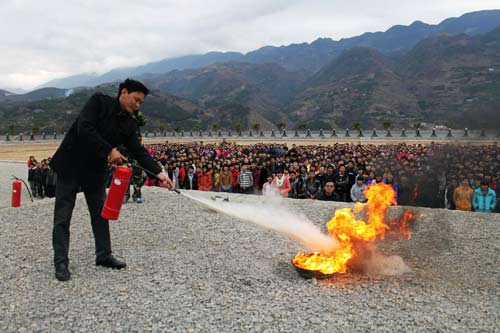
<point x="309" y="274"/>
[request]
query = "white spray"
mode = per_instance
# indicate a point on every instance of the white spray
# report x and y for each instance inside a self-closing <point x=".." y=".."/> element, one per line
<point x="273" y="215"/>
<point x="276" y="216"/>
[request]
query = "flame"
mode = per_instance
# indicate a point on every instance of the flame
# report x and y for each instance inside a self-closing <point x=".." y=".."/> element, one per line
<point x="401" y="226"/>
<point x="349" y="231"/>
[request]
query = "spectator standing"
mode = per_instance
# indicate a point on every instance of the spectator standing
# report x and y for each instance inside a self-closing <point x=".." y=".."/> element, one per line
<point x="312" y="185"/>
<point x="321" y="176"/>
<point x="37" y="180"/>
<point x="225" y="179"/>
<point x="256" y="170"/>
<point x="497" y="191"/>
<point x="449" y="190"/>
<point x="463" y="195"/>
<point x="358" y="191"/>
<point x="191" y="180"/>
<point x="389" y="180"/>
<point x="405" y="191"/>
<point x="50" y="183"/>
<point x="281" y="184"/>
<point x="485" y="199"/>
<point x="297" y="186"/>
<point x="341" y="183"/>
<point x="234" y="178"/>
<point x="267" y="188"/>
<point x="245" y="180"/>
<point x="205" y="179"/>
<point x="328" y="193"/>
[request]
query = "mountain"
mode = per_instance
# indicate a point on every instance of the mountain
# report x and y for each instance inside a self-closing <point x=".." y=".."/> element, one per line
<point x="264" y="88"/>
<point x="308" y="57"/>
<point x="448" y="79"/>
<point x="57" y="114"/>
<point x="5" y="93"/>
<point x="43" y="93"/>
<point x="361" y="86"/>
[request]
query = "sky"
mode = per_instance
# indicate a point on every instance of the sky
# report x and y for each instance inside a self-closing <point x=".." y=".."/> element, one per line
<point x="45" y="40"/>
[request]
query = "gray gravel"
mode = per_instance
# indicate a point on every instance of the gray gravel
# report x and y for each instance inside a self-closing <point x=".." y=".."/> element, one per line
<point x="191" y="269"/>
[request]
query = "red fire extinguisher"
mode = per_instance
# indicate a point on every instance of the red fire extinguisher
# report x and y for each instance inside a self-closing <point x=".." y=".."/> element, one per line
<point x="117" y="190"/>
<point x="16" y="193"/>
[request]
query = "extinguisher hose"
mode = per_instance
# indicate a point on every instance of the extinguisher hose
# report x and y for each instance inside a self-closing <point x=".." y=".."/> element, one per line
<point x="136" y="165"/>
<point x="25" y="185"/>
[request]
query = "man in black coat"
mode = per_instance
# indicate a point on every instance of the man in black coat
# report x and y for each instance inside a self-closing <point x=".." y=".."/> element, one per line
<point x="190" y="180"/>
<point x="328" y="193"/>
<point x="81" y="160"/>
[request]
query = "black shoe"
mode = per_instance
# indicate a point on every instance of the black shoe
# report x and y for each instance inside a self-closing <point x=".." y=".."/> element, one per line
<point x="111" y="262"/>
<point x="62" y="272"/>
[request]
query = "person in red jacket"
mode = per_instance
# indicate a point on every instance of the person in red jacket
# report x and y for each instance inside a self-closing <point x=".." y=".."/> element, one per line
<point x="182" y="174"/>
<point x="234" y="178"/>
<point x="205" y="179"/>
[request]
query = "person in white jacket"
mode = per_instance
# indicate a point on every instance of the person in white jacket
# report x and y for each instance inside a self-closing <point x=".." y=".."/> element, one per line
<point x="358" y="191"/>
<point x="267" y="188"/>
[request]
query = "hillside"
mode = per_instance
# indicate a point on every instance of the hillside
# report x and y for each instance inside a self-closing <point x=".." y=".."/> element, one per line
<point x="43" y="93"/>
<point x="451" y="80"/>
<point x="263" y="88"/>
<point x="5" y="93"/>
<point x="56" y="114"/>
<point x="309" y="57"/>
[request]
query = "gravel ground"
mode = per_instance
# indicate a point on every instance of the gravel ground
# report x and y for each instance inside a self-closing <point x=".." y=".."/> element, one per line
<point x="191" y="269"/>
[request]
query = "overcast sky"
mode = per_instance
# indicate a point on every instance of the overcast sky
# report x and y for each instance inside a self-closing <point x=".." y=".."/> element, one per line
<point x="44" y="40"/>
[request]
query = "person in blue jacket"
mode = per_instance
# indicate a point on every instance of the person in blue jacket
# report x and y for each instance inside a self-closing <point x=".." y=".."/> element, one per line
<point x="484" y="199"/>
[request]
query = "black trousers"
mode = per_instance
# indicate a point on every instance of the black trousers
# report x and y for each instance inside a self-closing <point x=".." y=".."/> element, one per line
<point x="66" y="190"/>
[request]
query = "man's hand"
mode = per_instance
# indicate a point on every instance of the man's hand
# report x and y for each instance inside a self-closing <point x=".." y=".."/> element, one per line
<point x="166" y="182"/>
<point x="115" y="157"/>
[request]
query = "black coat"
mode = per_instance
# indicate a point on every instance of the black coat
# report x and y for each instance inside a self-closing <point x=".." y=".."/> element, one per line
<point x="323" y="197"/>
<point x="101" y="126"/>
<point x="186" y="185"/>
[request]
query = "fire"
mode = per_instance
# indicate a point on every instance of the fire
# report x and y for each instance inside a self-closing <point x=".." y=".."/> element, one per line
<point x="349" y="231"/>
<point x="401" y="225"/>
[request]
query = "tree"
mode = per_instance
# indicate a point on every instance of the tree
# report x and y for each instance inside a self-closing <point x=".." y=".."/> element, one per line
<point x="356" y="126"/>
<point x="387" y="124"/>
<point x="417" y="125"/>
<point x="256" y="126"/>
<point x="237" y="127"/>
<point x="215" y="126"/>
<point x="280" y="126"/>
<point x="301" y="126"/>
<point x="11" y="128"/>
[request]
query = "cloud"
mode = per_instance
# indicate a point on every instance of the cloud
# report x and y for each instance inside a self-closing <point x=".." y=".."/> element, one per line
<point x="43" y="40"/>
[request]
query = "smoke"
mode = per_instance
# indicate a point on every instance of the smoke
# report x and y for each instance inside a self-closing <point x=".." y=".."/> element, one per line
<point x="370" y="261"/>
<point x="273" y="215"/>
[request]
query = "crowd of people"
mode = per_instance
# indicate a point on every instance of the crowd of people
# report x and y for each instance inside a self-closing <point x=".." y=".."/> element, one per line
<point x="459" y="177"/>
<point x="41" y="178"/>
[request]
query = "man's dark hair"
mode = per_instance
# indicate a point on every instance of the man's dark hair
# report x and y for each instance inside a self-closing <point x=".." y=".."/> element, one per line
<point x="133" y="85"/>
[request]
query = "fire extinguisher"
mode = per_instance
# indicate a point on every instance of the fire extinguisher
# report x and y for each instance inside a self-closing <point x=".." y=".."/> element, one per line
<point x="117" y="190"/>
<point x="16" y="191"/>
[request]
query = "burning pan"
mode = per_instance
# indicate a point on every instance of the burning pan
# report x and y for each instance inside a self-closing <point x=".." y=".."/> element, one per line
<point x="309" y="274"/>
